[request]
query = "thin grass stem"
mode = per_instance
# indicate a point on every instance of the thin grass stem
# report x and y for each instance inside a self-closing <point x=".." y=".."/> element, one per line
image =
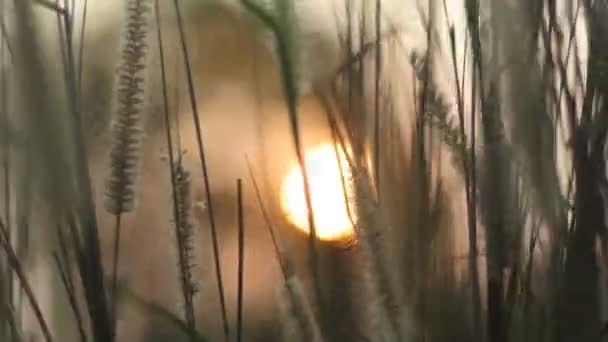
<point x="115" y="263"/>
<point x="241" y="261"/>
<point x="201" y="153"/>
<point x="6" y="146"/>
<point x="378" y="72"/>
<point x="81" y="45"/>
<point x="285" y="271"/>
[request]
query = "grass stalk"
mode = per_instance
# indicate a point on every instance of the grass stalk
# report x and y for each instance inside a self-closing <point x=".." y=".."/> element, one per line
<point x="7" y="274"/>
<point x="81" y="45"/>
<point x="201" y="153"/>
<point x="241" y="261"/>
<point x="290" y="94"/>
<point x="284" y="265"/>
<point x="58" y="161"/>
<point x="472" y="20"/>
<point x="16" y="266"/>
<point x="68" y="287"/>
<point x="115" y="263"/>
<point x="377" y="79"/>
<point x="127" y="131"/>
<point x="181" y="192"/>
<point x="298" y="307"/>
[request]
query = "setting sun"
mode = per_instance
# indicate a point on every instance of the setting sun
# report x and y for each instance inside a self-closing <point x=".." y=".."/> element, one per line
<point x="330" y="211"/>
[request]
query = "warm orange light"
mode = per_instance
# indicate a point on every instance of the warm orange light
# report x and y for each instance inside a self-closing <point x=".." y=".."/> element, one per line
<point x="332" y="221"/>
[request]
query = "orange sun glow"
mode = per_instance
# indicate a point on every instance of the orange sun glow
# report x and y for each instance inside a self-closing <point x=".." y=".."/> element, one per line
<point x="331" y="214"/>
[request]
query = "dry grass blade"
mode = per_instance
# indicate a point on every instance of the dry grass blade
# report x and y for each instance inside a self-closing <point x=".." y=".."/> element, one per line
<point x="282" y="28"/>
<point x="15" y="265"/>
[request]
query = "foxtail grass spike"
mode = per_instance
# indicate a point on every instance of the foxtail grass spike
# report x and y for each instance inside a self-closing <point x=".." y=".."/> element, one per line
<point x="185" y="241"/>
<point x="186" y="229"/>
<point x="127" y="132"/>
<point x="181" y="191"/>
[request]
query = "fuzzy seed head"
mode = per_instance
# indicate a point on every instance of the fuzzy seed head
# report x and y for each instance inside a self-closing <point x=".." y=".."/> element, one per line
<point x="127" y="131"/>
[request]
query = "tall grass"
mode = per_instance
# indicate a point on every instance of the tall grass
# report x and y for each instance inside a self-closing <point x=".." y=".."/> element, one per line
<point x="478" y="167"/>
